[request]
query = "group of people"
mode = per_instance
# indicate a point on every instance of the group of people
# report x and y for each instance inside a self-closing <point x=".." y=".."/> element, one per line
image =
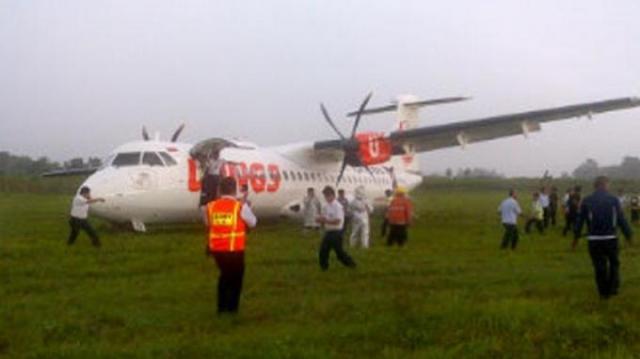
<point x="601" y="212"/>
<point x="357" y="211"/>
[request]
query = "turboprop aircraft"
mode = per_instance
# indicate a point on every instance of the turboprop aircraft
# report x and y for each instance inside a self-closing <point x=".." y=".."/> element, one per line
<point x="152" y="181"/>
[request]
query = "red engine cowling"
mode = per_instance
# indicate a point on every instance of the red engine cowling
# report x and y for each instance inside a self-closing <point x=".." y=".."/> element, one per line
<point x="373" y="148"/>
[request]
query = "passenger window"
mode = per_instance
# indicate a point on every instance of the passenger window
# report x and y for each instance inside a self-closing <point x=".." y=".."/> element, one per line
<point x="313" y="176"/>
<point x="126" y="159"/>
<point x="151" y="159"/>
<point x="285" y="175"/>
<point x="299" y="176"/>
<point x="168" y="160"/>
<point x="306" y="176"/>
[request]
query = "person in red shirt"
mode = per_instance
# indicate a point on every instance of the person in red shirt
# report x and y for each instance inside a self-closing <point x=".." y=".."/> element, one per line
<point x="399" y="214"/>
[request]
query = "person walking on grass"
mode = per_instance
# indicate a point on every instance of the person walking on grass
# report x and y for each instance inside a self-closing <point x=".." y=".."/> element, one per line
<point x="79" y="214"/>
<point x="543" y="197"/>
<point x="399" y="215"/>
<point x="573" y="206"/>
<point x="228" y="220"/>
<point x="332" y="218"/>
<point x="360" y="209"/>
<point x="601" y="212"/>
<point x="536" y="216"/>
<point x="634" y="207"/>
<point x="553" y="205"/>
<point x="509" y="211"/>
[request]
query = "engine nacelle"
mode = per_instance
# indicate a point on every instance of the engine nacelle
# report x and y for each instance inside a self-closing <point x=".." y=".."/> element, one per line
<point x="373" y="148"/>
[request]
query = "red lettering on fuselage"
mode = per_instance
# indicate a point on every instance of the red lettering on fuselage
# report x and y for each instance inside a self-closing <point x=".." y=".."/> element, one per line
<point x="193" y="182"/>
<point x="256" y="174"/>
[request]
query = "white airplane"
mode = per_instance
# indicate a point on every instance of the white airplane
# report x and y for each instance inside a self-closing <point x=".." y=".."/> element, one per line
<point x="153" y="181"/>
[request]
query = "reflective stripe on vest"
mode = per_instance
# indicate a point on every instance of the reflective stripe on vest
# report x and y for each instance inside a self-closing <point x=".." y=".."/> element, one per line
<point x="226" y="229"/>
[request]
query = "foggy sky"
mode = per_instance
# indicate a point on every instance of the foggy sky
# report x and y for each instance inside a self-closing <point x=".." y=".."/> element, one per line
<point x="78" y="78"/>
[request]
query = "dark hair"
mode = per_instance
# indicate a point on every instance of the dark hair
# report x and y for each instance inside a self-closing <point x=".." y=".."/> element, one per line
<point x="310" y="189"/>
<point x="600" y="181"/>
<point x="511" y="192"/>
<point x="577" y="188"/>
<point x="228" y="186"/>
<point x="340" y="191"/>
<point x="328" y="191"/>
<point x="84" y="190"/>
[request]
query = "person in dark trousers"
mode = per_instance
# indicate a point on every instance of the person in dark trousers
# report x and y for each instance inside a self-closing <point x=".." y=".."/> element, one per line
<point x="348" y="216"/>
<point x="388" y="194"/>
<point x="543" y="198"/>
<point x="400" y="215"/>
<point x="332" y="219"/>
<point x="553" y="205"/>
<point x="536" y="216"/>
<point x="509" y="211"/>
<point x="79" y="214"/>
<point x="228" y="220"/>
<point x="601" y="212"/>
<point x="634" y="205"/>
<point x="573" y="206"/>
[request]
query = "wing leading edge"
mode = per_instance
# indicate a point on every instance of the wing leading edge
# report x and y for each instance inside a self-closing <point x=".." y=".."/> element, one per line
<point x="431" y="138"/>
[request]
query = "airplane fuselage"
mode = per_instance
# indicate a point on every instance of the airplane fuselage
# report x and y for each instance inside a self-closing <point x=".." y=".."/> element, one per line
<point x="154" y="181"/>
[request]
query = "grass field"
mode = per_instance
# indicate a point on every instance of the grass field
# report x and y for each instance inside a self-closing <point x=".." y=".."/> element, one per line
<point x="450" y="293"/>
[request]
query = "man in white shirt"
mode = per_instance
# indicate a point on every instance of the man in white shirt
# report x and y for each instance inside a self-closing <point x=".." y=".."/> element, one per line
<point x="211" y="178"/>
<point x="544" y="202"/>
<point x="79" y="214"/>
<point x="332" y="218"/>
<point x="509" y="210"/>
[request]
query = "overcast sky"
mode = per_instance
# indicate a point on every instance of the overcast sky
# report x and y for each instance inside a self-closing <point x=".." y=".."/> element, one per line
<point x="80" y="77"/>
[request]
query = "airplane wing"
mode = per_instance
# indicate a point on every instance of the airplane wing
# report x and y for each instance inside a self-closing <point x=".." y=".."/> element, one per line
<point x="485" y="129"/>
<point x="71" y="172"/>
<point x="462" y="133"/>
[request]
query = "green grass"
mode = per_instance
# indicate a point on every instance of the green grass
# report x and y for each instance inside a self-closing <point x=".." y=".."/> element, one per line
<point x="451" y="293"/>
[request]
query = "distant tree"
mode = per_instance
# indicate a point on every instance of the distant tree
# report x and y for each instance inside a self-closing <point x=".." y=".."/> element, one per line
<point x="449" y="173"/>
<point x="588" y="169"/>
<point x="77" y="162"/>
<point x="94" y="162"/>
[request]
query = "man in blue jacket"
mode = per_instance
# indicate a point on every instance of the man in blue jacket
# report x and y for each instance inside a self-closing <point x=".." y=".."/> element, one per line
<point x="602" y="213"/>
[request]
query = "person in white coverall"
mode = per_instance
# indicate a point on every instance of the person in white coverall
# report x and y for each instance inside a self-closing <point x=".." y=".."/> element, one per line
<point x="311" y="209"/>
<point x="360" y="209"/>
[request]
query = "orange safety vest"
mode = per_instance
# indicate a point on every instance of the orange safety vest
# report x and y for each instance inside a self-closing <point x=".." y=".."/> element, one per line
<point x="399" y="211"/>
<point x="227" y="230"/>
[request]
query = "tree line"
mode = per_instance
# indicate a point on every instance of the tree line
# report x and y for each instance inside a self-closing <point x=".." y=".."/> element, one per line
<point x="15" y="165"/>
<point x="629" y="168"/>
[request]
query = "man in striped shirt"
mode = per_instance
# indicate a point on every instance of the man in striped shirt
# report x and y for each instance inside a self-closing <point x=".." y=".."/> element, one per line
<point x="601" y="212"/>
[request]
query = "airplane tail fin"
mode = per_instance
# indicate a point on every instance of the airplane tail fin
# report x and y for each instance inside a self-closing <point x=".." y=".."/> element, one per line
<point x="406" y="119"/>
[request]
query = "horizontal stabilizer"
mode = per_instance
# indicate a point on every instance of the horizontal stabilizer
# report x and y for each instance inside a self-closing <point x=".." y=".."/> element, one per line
<point x="422" y="103"/>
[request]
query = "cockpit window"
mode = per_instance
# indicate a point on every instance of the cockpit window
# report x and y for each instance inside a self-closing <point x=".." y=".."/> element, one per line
<point x="168" y="160"/>
<point x="126" y="159"/>
<point x="106" y="162"/>
<point x="151" y="159"/>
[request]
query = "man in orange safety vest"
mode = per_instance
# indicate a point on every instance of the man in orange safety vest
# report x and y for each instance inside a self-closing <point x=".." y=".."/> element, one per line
<point x="228" y="220"/>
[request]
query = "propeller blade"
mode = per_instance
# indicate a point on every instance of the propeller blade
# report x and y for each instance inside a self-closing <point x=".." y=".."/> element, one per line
<point x="344" y="165"/>
<point x="176" y="134"/>
<point x="145" y="135"/>
<point x="328" y="118"/>
<point x="359" y="114"/>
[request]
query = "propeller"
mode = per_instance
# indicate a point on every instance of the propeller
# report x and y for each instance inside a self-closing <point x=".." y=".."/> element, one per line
<point x="145" y="135"/>
<point x="176" y="134"/>
<point x="350" y="145"/>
